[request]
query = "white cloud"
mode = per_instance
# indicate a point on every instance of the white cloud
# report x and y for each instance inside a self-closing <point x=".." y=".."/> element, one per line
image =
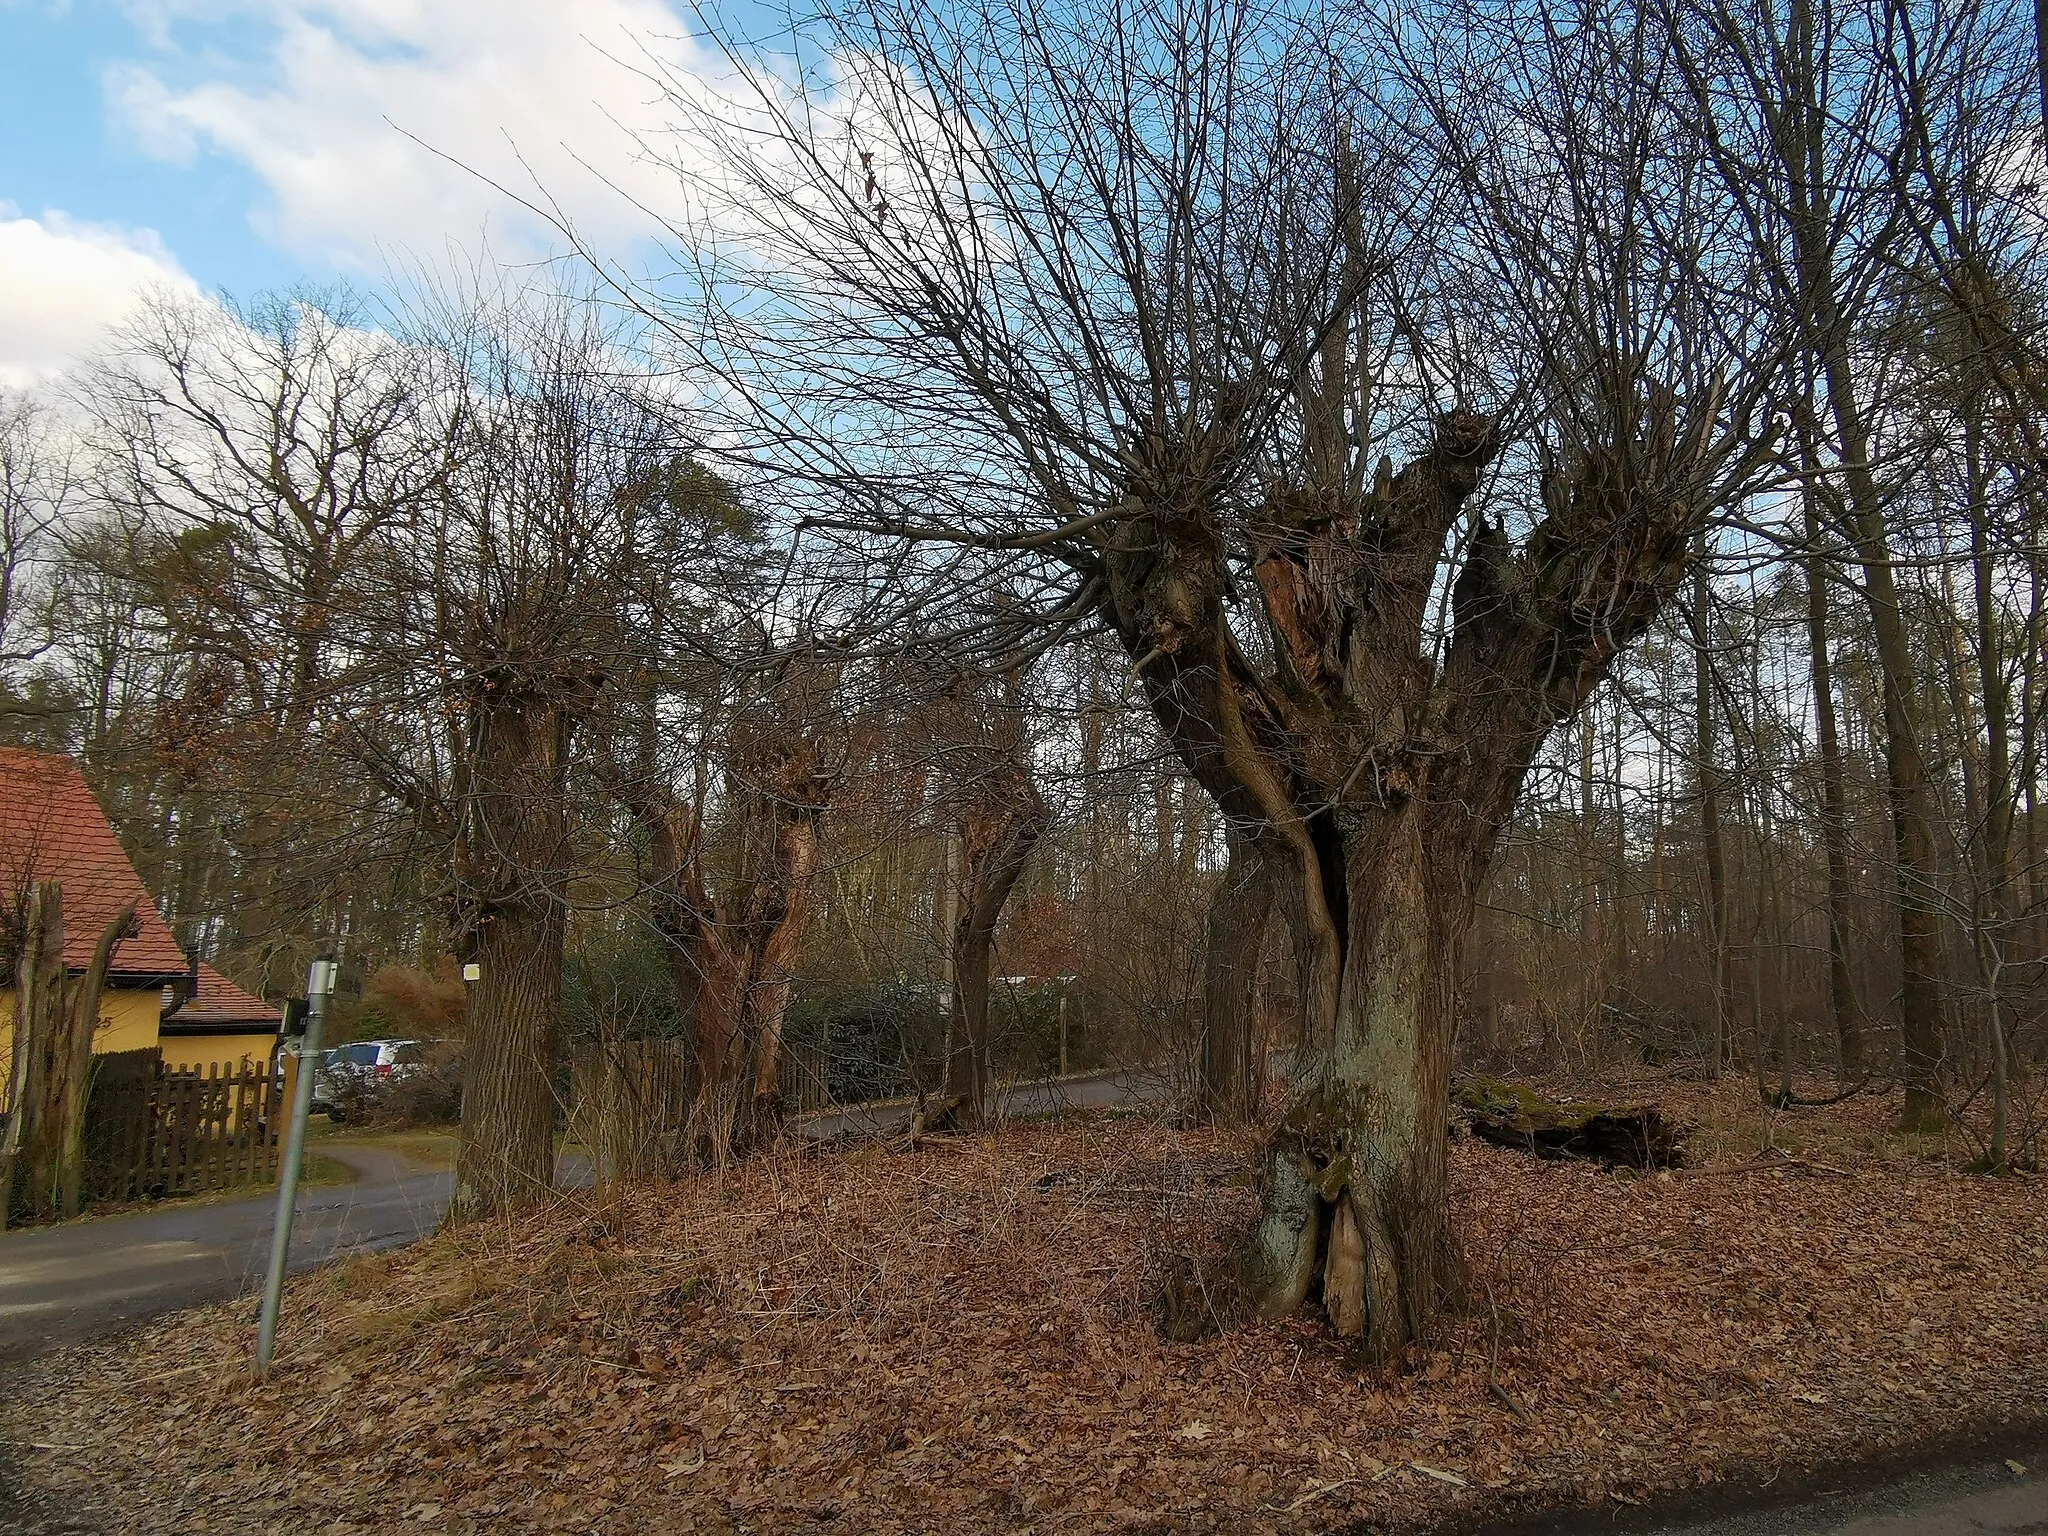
<point x="64" y="281"/>
<point x="370" y="122"/>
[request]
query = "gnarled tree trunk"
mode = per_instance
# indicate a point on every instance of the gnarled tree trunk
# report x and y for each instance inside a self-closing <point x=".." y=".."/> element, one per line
<point x="997" y="835"/>
<point x="55" y="1018"/>
<point x="1229" y="1067"/>
<point x="731" y="956"/>
<point x="1375" y="769"/>
<point x="1357" y="1211"/>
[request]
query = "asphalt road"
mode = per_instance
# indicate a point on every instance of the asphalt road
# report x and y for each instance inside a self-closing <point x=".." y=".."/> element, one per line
<point x="88" y="1278"/>
<point x="1957" y="1490"/>
<point x="1101" y="1090"/>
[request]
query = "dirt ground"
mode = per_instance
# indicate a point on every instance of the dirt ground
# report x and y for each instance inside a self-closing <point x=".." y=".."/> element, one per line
<point x="971" y="1337"/>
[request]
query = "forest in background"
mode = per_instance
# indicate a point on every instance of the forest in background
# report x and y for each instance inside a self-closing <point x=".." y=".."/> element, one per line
<point x="986" y="610"/>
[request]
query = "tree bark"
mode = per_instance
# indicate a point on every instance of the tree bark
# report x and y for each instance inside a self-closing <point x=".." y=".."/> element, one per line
<point x="1229" y="1078"/>
<point x="1834" y="815"/>
<point x="512" y="867"/>
<point x="1357" y="1203"/>
<point x="997" y="837"/>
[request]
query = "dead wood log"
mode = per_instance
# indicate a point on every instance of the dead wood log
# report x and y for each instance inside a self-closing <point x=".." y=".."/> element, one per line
<point x="1615" y="1136"/>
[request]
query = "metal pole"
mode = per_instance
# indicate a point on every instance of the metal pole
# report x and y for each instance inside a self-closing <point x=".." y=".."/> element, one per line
<point x="319" y="982"/>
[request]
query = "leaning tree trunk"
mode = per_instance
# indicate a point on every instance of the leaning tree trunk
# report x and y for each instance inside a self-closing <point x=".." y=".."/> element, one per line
<point x="514" y="913"/>
<point x="996" y="839"/>
<point x="1240" y="913"/>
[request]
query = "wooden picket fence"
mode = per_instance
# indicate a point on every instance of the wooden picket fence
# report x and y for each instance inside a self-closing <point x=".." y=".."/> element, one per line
<point x="152" y="1131"/>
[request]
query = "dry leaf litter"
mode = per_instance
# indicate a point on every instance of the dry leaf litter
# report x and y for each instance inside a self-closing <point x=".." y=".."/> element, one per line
<point x="968" y="1337"/>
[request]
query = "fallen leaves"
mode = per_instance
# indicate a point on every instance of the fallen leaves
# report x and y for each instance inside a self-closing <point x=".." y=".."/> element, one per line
<point x="964" y="1340"/>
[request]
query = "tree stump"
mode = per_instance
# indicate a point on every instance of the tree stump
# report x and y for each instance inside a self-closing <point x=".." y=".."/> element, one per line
<point x="1615" y="1136"/>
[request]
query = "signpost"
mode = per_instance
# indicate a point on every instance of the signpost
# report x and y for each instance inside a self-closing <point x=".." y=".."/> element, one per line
<point x="319" y="983"/>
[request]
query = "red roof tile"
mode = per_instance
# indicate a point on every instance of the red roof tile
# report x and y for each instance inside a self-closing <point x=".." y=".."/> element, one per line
<point x="51" y="828"/>
<point x="221" y="1003"/>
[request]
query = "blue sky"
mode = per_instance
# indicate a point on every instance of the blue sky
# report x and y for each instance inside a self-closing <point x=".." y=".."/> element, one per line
<point x="251" y="144"/>
<point x="61" y="147"/>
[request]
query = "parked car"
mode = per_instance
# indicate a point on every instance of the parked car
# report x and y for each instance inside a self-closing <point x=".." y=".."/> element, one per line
<point x="351" y="1073"/>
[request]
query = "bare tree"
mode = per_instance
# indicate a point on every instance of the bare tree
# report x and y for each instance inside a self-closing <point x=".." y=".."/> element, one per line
<point x="1817" y="119"/>
<point x="36" y="484"/>
<point x="1144" y="297"/>
<point x="245" y="459"/>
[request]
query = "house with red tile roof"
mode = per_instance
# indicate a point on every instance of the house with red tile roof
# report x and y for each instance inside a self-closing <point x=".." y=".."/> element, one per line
<point x="215" y="1020"/>
<point x="52" y="828"/>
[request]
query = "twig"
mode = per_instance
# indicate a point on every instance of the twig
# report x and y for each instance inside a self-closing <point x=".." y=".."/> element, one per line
<point x="1312" y="1495"/>
<point x="1505" y="1396"/>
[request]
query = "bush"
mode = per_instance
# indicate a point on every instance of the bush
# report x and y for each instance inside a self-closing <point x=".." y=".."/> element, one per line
<point x="430" y="1096"/>
<point x="878" y="1039"/>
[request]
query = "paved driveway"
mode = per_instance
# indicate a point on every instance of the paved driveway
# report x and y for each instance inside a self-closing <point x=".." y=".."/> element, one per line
<point x="1970" y="1491"/>
<point x="1046" y="1096"/>
<point x="91" y="1277"/>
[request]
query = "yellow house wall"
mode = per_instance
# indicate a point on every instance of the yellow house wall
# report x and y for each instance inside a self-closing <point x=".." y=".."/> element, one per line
<point x="128" y="1020"/>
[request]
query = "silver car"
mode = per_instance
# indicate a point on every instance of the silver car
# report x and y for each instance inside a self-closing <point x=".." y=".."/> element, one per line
<point x="350" y="1073"/>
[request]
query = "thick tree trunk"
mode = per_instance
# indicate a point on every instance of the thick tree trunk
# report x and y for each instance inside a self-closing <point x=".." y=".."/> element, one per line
<point x="715" y="1116"/>
<point x="1229" y="1076"/>
<point x="779" y="932"/>
<point x="56" y="1017"/>
<point x="674" y="897"/>
<point x="512" y="863"/>
<point x="1357" y="1204"/>
<point x="996" y="839"/>
<point x="743" y="961"/>
<point x="507" y="1155"/>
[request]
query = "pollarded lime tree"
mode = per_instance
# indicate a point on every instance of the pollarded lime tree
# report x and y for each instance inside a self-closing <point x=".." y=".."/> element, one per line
<point x="1147" y="303"/>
